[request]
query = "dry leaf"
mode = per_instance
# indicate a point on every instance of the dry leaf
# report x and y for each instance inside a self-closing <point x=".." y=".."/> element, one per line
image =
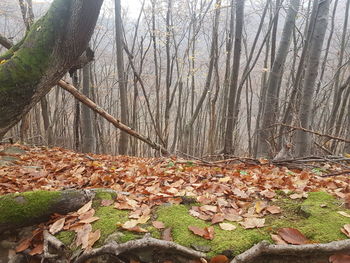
<point x="89" y="220"/>
<point x="83" y="236"/>
<point x="260" y="206"/>
<point x="207" y="232"/>
<point x="166" y="234"/>
<point x="85" y="208"/>
<point x="143" y="219"/>
<point x="57" y="226"/>
<point x="343" y="213"/>
<point x="218" y="218"/>
<point x="93" y="237"/>
<point x="23" y="245"/>
<point x="253" y="222"/>
<point x="278" y="240"/>
<point x="37" y="250"/>
<point x="106" y="202"/>
<point x="273" y="209"/>
<point x="292" y="236"/>
<point x="227" y="226"/>
<point x="346" y="230"/>
<point x="158" y="224"/>
<point x="339" y="258"/>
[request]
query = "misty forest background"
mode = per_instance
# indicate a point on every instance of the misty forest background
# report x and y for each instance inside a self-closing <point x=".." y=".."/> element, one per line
<point x="202" y="78"/>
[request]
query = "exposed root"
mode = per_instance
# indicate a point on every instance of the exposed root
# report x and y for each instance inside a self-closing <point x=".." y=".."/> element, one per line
<point x="116" y="249"/>
<point x="265" y="249"/>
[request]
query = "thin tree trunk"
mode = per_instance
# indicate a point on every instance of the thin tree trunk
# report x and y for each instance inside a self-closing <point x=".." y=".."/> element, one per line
<point x="123" y="139"/>
<point x="303" y="139"/>
<point x="270" y="114"/>
<point x="234" y="76"/>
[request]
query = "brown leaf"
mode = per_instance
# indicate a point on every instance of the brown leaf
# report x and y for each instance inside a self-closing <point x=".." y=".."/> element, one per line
<point x="37" y="250"/>
<point x="93" y="237"/>
<point x="233" y="217"/>
<point x="273" y="209"/>
<point x="106" y="202"/>
<point x="158" y="224"/>
<point x="23" y="245"/>
<point x="339" y="258"/>
<point x="260" y="206"/>
<point x="85" y="208"/>
<point x="57" y="226"/>
<point x="87" y="214"/>
<point x="278" y="240"/>
<point x="227" y="226"/>
<point x="218" y="218"/>
<point x="166" y="234"/>
<point x="346" y="230"/>
<point x="343" y="213"/>
<point x="83" y="235"/>
<point x="207" y="232"/>
<point x="253" y="222"/>
<point x="292" y="236"/>
<point x="89" y="220"/>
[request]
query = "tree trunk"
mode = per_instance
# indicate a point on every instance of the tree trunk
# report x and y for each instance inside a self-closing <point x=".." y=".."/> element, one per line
<point x="88" y="139"/>
<point x="47" y="52"/>
<point x="270" y="114"/>
<point x="303" y="139"/>
<point x="234" y="76"/>
<point x="123" y="139"/>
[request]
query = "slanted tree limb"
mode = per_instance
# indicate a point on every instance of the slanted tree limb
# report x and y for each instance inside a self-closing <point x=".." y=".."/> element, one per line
<point x="117" y="123"/>
<point x="143" y="243"/>
<point x="46" y="53"/>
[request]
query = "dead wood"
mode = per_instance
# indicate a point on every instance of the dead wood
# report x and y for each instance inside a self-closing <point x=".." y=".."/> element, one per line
<point x="264" y="250"/>
<point x="146" y="242"/>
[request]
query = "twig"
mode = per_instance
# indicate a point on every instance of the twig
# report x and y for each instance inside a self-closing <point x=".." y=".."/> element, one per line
<point x="264" y="248"/>
<point x="313" y="132"/>
<point x="337" y="174"/>
<point x="143" y="243"/>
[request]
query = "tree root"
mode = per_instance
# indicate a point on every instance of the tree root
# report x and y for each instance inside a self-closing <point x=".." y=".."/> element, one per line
<point x="116" y="249"/>
<point x="265" y="249"/>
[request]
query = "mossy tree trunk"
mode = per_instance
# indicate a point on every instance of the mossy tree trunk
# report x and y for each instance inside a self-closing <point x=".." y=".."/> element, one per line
<point x="52" y="46"/>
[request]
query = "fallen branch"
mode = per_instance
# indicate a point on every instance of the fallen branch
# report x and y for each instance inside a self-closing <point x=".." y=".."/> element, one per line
<point x="313" y="132"/>
<point x="116" y="249"/>
<point x="93" y="106"/>
<point x="264" y="249"/>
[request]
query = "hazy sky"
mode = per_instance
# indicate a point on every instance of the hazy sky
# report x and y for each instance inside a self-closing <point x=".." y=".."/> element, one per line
<point x="132" y="6"/>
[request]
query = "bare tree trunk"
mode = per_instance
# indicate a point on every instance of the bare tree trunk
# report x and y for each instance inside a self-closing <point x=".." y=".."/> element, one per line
<point x="270" y="114"/>
<point x="88" y="139"/>
<point x="303" y="139"/>
<point x="234" y="76"/>
<point x="123" y="140"/>
<point x="189" y="125"/>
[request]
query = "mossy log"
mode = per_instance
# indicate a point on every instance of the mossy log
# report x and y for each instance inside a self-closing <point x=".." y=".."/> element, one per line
<point x="29" y="208"/>
<point x="34" y="65"/>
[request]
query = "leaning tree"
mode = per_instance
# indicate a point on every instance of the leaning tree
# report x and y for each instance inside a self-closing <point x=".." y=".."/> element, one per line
<point x="53" y="45"/>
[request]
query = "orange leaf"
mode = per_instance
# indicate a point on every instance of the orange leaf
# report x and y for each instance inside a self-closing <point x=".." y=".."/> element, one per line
<point x="339" y="258"/>
<point x="292" y="236"/>
<point x="37" y="250"/>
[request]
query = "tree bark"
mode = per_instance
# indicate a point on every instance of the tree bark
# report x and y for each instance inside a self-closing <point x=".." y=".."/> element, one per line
<point x="47" y="52"/>
<point x="270" y="114"/>
<point x="303" y="139"/>
<point x="234" y="77"/>
<point x="123" y="139"/>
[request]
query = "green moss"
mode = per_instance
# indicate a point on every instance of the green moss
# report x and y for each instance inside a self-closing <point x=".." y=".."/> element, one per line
<point x="322" y="226"/>
<point x="16" y="208"/>
<point x="66" y="237"/>
<point x="102" y="194"/>
<point x="109" y="217"/>
<point x="178" y="218"/>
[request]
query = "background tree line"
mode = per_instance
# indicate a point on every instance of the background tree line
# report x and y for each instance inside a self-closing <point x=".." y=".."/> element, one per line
<point x="202" y="78"/>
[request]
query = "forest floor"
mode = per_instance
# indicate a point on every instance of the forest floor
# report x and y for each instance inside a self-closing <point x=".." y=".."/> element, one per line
<point x="210" y="207"/>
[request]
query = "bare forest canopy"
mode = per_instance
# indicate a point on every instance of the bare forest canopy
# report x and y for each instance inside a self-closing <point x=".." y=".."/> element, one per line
<point x="202" y="78"/>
